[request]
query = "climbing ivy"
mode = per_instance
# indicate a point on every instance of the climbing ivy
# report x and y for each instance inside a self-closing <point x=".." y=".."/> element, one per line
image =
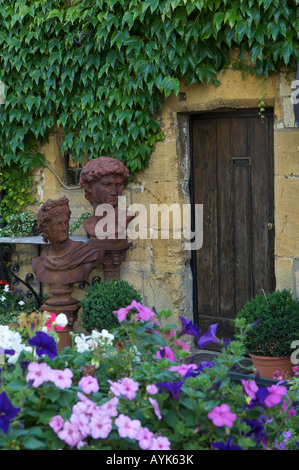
<point x="102" y="68"/>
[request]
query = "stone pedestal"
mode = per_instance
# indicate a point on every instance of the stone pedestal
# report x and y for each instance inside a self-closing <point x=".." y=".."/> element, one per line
<point x="115" y="251"/>
<point x="63" y="302"/>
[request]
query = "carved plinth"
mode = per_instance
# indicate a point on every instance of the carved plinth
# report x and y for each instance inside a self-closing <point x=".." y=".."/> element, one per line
<point x="63" y="302"/>
<point x="114" y="254"/>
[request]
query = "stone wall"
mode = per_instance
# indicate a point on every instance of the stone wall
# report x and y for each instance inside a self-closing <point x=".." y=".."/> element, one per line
<point x="160" y="268"/>
<point x="286" y="160"/>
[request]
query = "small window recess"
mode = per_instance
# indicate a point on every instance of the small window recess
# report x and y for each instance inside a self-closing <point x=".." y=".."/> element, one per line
<point x="72" y="170"/>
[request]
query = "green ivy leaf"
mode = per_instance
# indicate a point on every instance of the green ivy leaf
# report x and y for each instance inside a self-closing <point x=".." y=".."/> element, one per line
<point x="169" y="85"/>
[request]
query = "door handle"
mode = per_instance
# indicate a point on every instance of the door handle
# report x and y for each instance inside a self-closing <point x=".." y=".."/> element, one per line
<point x="270" y="226"/>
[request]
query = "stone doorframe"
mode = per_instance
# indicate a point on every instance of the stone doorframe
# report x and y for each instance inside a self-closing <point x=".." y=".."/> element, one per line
<point x="236" y="93"/>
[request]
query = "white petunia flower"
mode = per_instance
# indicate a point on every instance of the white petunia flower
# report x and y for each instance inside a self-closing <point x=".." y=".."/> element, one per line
<point x="12" y="340"/>
<point x="61" y="320"/>
<point x="21" y="302"/>
<point x="108" y="337"/>
<point x="94" y="340"/>
<point x="81" y="343"/>
<point x="3" y="298"/>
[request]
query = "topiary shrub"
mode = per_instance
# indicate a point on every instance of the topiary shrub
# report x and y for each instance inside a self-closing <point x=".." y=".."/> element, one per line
<point x="102" y="298"/>
<point x="275" y="323"/>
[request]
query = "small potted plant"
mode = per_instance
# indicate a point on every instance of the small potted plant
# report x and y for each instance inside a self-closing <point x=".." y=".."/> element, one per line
<point x="274" y="320"/>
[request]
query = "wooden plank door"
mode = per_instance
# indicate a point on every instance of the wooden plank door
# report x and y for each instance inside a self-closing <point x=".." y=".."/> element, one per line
<point x="232" y="176"/>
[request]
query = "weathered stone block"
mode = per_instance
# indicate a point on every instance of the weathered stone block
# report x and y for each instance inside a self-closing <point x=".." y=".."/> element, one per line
<point x="168" y="256"/>
<point x="284" y="273"/>
<point x="286" y="216"/>
<point x="286" y="153"/>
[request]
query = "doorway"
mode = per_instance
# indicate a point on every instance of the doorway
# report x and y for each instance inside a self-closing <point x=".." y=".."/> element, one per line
<point x="233" y="177"/>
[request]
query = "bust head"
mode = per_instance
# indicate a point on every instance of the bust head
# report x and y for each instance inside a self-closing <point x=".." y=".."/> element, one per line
<point x="53" y="220"/>
<point x="102" y="180"/>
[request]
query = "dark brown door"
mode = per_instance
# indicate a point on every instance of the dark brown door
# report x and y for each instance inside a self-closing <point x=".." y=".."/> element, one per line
<point x="232" y="158"/>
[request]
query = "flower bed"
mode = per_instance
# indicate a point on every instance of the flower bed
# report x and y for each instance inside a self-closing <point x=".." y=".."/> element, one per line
<point x="12" y="302"/>
<point x="131" y="389"/>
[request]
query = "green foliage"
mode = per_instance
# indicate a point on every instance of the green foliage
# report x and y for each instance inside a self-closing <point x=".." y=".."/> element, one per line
<point x="101" y="69"/>
<point x="18" y="225"/>
<point x="17" y="189"/>
<point x="275" y="320"/>
<point x="102" y="299"/>
<point x="75" y="225"/>
<point x="13" y="302"/>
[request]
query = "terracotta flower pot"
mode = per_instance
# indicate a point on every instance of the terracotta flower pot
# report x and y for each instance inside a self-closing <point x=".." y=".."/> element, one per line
<point x="266" y="366"/>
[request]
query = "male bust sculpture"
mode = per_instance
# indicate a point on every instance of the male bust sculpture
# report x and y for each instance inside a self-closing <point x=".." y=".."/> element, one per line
<point x="102" y="180"/>
<point x="63" y="261"/>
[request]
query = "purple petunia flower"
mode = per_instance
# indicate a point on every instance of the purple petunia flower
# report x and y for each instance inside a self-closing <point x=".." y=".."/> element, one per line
<point x="257" y="429"/>
<point x="259" y="399"/>
<point x="226" y="446"/>
<point x="173" y="388"/>
<point x="7" y="412"/>
<point x="10" y="352"/>
<point x="44" y="344"/>
<point x="209" y="337"/>
<point x="200" y="368"/>
<point x="24" y="366"/>
<point x="188" y="328"/>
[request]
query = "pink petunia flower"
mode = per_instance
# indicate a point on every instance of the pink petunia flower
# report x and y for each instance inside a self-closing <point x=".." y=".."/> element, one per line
<point x="145" y="438"/>
<point x="121" y="314"/>
<point x="129" y="388"/>
<point x="156" y="407"/>
<point x="89" y="384"/>
<point x="110" y="407"/>
<point x="39" y="373"/>
<point x="126" y="387"/>
<point x="144" y="313"/>
<point x="170" y="333"/>
<point x="85" y="399"/>
<point x="50" y="320"/>
<point x="70" y="434"/>
<point x="222" y="416"/>
<point x="56" y="423"/>
<point x="182" y="344"/>
<point x="82" y="420"/>
<point x="160" y="443"/>
<point x="276" y="393"/>
<point x="86" y="407"/>
<point x="166" y="353"/>
<point x="152" y="389"/>
<point x="250" y="388"/>
<point x="127" y="427"/>
<point x="183" y="368"/>
<point x="115" y="388"/>
<point x="100" y="426"/>
<point x="62" y="378"/>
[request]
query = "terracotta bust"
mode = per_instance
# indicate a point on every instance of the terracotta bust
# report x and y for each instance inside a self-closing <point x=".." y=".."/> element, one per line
<point x="63" y="261"/>
<point x="102" y="180"/>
